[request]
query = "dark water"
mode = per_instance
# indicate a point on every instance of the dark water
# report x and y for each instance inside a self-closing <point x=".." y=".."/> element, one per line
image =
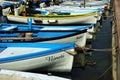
<point x="102" y="69"/>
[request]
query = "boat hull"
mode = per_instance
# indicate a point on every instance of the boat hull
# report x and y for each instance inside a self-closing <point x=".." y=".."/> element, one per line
<point x="60" y="61"/>
<point x="45" y="56"/>
<point x="55" y="37"/>
<point x="80" y="40"/>
<point x="90" y="19"/>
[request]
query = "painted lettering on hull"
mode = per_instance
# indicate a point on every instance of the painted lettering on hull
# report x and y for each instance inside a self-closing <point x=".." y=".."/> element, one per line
<point x="54" y="58"/>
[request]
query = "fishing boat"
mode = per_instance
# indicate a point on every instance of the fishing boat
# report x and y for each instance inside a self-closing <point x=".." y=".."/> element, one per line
<point x="87" y="3"/>
<point x="94" y="3"/>
<point x="20" y="75"/>
<point x="34" y="33"/>
<point x="101" y="6"/>
<point x="59" y="9"/>
<point x="45" y="56"/>
<point x="55" y="18"/>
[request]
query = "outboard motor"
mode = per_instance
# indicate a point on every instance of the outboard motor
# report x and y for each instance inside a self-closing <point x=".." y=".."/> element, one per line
<point x="3" y="19"/>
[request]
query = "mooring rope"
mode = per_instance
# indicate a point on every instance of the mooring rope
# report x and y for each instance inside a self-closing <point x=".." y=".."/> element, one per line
<point x="104" y="72"/>
<point x="107" y="49"/>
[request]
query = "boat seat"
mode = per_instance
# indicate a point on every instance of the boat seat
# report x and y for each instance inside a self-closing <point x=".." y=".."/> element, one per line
<point x="28" y="35"/>
<point x="10" y="28"/>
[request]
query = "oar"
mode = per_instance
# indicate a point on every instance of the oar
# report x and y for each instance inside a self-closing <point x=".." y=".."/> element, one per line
<point x="21" y="38"/>
<point x="14" y="38"/>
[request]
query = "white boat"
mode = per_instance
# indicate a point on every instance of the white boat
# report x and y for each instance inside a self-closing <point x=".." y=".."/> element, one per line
<point x="19" y="75"/>
<point x="45" y="56"/>
<point x="97" y="4"/>
<point x="72" y="9"/>
<point x="50" y="34"/>
<point x="88" y="3"/>
<point x="100" y="5"/>
<point x="57" y="18"/>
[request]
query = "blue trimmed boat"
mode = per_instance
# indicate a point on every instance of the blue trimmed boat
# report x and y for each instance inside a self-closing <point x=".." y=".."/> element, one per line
<point x="73" y="10"/>
<point x="91" y="4"/>
<point x="51" y="18"/>
<point x="27" y="56"/>
<point x="20" y="33"/>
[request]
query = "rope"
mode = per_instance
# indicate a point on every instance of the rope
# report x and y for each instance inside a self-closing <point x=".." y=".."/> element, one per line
<point x="104" y="72"/>
<point x="105" y="35"/>
<point x="108" y="16"/>
<point x="89" y="49"/>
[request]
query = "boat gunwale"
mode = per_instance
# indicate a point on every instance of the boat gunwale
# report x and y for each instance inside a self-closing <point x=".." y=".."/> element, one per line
<point x="56" y="16"/>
